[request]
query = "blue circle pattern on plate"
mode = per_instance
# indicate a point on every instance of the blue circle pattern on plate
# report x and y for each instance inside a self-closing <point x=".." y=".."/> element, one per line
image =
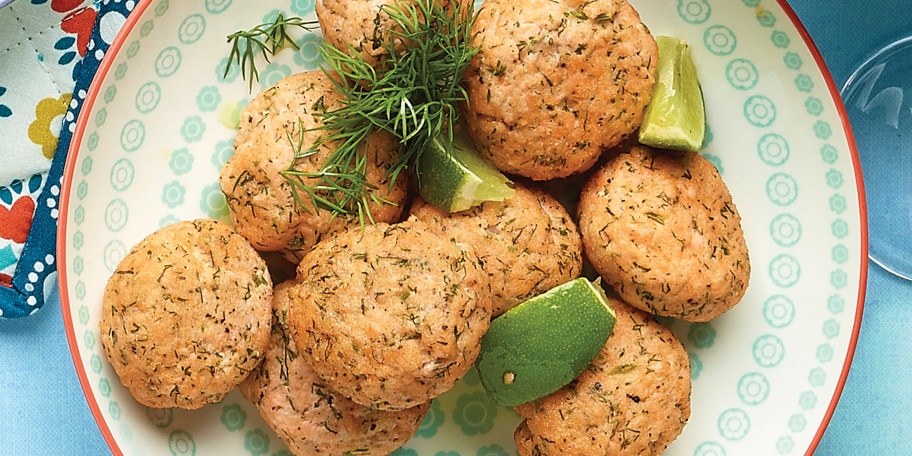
<point x="773" y="150"/>
<point x="122" y="174"/>
<point x="121" y="178"/>
<point x="192" y="28"/>
<point x="147" y="97"/>
<point x="472" y="412"/>
<point x="742" y="74"/>
<point x="753" y="388"/>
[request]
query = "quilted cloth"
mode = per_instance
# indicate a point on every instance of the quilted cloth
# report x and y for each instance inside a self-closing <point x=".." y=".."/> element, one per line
<point x="63" y="41"/>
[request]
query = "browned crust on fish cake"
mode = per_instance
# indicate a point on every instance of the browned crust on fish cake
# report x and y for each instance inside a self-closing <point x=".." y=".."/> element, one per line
<point x="527" y="244"/>
<point x="633" y="399"/>
<point x="356" y="27"/>
<point x="557" y="82"/>
<point x="390" y="315"/>
<point x="362" y="28"/>
<point x="306" y="413"/>
<point x="661" y="228"/>
<point x="186" y="315"/>
<point x="261" y="200"/>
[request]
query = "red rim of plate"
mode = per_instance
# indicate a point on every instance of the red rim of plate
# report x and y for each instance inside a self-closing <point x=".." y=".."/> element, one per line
<point x="133" y="19"/>
<point x="62" y="234"/>
<point x="863" y="210"/>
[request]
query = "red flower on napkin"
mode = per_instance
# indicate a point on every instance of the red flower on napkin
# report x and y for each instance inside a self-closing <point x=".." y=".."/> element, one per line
<point x="15" y="221"/>
<point x="62" y="6"/>
<point x="79" y="23"/>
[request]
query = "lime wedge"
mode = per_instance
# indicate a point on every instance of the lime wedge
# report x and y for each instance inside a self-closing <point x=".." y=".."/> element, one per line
<point x="675" y="118"/>
<point x="542" y="344"/>
<point x="453" y="177"/>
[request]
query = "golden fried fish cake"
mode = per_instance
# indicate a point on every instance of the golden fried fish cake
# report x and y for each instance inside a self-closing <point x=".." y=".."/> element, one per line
<point x="661" y="228"/>
<point x="527" y="244"/>
<point x="362" y="28"/>
<point x="186" y="314"/>
<point x="278" y="123"/>
<point x="633" y="399"/>
<point x="306" y="413"/>
<point x="391" y="315"/>
<point x="557" y="82"/>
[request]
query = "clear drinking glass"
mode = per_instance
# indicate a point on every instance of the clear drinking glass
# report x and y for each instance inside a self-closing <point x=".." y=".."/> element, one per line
<point x="878" y="99"/>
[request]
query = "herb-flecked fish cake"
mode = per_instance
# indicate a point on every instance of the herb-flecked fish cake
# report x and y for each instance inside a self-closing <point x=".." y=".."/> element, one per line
<point x="307" y="414"/>
<point x="186" y="315"/>
<point x="390" y="315"/>
<point x="661" y="228"/>
<point x="557" y="82"/>
<point x="527" y="244"/>
<point x="633" y="399"/>
<point x="362" y="28"/>
<point x="280" y="122"/>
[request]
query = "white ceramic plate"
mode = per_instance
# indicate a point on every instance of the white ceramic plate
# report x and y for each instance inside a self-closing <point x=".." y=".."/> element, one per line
<point x="767" y="375"/>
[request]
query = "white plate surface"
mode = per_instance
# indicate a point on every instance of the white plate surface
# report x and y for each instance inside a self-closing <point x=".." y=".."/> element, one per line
<point x="153" y="135"/>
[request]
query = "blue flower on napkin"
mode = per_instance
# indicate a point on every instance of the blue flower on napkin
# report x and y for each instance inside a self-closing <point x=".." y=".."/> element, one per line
<point x="5" y="111"/>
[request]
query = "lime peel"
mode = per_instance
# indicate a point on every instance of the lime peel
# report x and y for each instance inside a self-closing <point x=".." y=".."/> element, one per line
<point x="544" y="343"/>
<point x="676" y="117"/>
<point x="456" y="178"/>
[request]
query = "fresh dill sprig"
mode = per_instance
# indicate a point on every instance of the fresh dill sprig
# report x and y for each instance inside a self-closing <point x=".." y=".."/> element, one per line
<point x="265" y="39"/>
<point x="332" y="187"/>
<point x="416" y="96"/>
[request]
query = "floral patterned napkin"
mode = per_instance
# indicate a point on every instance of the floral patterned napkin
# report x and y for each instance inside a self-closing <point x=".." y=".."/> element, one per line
<point x="49" y="53"/>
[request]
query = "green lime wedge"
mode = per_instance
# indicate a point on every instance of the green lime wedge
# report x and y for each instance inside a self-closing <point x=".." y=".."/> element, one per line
<point x="675" y="118"/>
<point x="453" y="177"/>
<point x="542" y="344"/>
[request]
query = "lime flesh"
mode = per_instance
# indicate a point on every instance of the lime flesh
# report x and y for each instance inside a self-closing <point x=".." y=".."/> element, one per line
<point x="453" y="177"/>
<point x="541" y="345"/>
<point x="675" y="118"/>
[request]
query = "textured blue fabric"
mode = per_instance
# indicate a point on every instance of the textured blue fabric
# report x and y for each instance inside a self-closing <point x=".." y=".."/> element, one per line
<point x="872" y="416"/>
<point x="43" y="411"/>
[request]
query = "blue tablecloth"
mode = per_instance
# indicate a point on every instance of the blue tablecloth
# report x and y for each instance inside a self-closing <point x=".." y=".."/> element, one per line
<point x="43" y="411"/>
<point x="873" y="415"/>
